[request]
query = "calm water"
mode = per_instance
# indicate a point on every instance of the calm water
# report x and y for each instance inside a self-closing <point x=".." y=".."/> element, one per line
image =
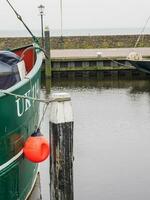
<point x="76" y="32"/>
<point x="111" y="139"/>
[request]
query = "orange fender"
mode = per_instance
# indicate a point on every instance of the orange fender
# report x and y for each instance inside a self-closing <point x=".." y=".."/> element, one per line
<point x="36" y="149"/>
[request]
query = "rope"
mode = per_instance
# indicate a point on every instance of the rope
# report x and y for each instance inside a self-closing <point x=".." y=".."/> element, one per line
<point x="24" y="97"/>
<point x="44" y="111"/>
<point x="20" y="18"/>
<point x="143" y="29"/>
<point x="47" y="101"/>
<point x="119" y="63"/>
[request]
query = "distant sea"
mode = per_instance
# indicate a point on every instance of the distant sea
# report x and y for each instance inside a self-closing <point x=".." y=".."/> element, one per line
<point x="76" y="32"/>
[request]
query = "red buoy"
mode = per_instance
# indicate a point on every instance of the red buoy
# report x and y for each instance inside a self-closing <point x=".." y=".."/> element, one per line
<point x="36" y="149"/>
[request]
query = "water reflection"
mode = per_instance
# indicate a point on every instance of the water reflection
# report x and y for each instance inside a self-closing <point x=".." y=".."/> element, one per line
<point x="136" y="86"/>
<point x="111" y="138"/>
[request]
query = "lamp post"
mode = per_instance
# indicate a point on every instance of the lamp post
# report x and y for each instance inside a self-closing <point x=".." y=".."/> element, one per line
<point x="41" y="10"/>
<point x="61" y="23"/>
<point x="61" y="20"/>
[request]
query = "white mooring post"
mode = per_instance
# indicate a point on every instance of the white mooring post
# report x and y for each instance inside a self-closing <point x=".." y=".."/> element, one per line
<point x="61" y="141"/>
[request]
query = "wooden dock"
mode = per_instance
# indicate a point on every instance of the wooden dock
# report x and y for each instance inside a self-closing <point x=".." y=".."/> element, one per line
<point x="96" y="63"/>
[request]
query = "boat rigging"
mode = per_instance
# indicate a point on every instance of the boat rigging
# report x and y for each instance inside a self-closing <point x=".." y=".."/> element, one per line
<point x="20" y="18"/>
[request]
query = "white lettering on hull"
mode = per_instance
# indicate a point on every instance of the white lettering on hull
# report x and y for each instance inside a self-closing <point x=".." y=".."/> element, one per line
<point x="24" y="105"/>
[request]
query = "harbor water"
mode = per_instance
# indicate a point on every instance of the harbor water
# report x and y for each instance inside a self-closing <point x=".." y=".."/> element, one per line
<point x="111" y="139"/>
<point x="77" y="32"/>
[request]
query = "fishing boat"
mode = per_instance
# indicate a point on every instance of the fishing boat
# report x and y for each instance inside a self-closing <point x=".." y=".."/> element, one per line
<point x="140" y="63"/>
<point x="20" y="80"/>
<point x="20" y="74"/>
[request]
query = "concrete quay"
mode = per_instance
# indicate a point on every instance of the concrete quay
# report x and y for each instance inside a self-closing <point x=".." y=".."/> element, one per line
<point x="116" y="53"/>
<point x="96" y="63"/>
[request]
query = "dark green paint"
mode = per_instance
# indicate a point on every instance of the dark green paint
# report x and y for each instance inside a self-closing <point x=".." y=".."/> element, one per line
<point x="17" y="178"/>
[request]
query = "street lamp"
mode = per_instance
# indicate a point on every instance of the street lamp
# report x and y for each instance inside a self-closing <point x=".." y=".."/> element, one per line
<point x="61" y="20"/>
<point x="41" y="10"/>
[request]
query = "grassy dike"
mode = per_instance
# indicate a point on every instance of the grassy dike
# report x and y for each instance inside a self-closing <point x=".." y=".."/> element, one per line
<point x="81" y="42"/>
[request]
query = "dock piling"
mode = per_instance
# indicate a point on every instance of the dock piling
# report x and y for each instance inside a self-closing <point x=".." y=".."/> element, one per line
<point x="47" y="51"/>
<point x="61" y="140"/>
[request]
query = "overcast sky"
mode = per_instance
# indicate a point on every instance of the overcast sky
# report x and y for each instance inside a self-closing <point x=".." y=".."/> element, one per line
<point x="77" y="14"/>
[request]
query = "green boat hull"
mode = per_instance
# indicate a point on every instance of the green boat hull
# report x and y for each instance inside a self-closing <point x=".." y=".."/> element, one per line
<point x="18" y="120"/>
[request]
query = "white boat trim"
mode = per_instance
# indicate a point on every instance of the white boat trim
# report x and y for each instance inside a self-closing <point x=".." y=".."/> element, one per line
<point x="34" y="181"/>
<point x="11" y="160"/>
